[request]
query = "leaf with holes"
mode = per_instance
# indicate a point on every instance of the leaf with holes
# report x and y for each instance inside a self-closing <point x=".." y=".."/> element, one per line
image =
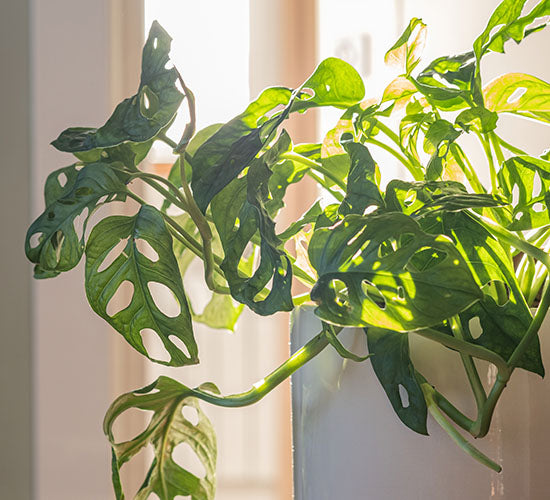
<point x="240" y="216"/>
<point x="142" y="116"/>
<point x="144" y="311"/>
<point x="507" y="23"/>
<point x="449" y="82"/>
<point x="519" y="93"/>
<point x="406" y="51"/>
<point x="222" y="157"/>
<point x="384" y="271"/>
<point x="393" y="368"/>
<point x="503" y="312"/>
<point x="362" y="191"/>
<point x="55" y="240"/>
<point x="333" y="83"/>
<point x="527" y="179"/>
<point x="167" y="430"/>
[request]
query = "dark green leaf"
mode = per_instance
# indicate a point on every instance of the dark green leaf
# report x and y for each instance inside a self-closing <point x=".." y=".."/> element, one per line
<point x="55" y="241"/>
<point x="142" y="116"/>
<point x="363" y="180"/>
<point x="373" y="272"/>
<point x="503" y="323"/>
<point x="531" y="178"/>
<point x="131" y="265"/>
<point x="393" y="367"/>
<point x="239" y="214"/>
<point x="167" y="429"/>
<point x="230" y="150"/>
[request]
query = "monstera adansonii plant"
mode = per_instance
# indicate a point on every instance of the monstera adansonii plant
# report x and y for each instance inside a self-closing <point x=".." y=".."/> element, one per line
<point x="422" y="255"/>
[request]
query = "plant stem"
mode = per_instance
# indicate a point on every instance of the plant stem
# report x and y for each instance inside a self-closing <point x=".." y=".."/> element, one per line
<point x="176" y="198"/>
<point x="509" y="146"/>
<point x="415" y="171"/>
<point x="496" y="146"/>
<point x="266" y="385"/>
<point x="489" y="154"/>
<point x="314" y="165"/>
<point x="469" y="365"/>
<point x="434" y="410"/>
<point x="164" y="138"/>
<point x="463" y="347"/>
<point x="467" y="168"/>
<point x="338" y="196"/>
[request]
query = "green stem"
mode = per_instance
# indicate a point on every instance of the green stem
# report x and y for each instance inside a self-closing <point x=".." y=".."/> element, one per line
<point x="176" y="198"/>
<point x="389" y="132"/>
<point x="263" y="387"/>
<point x="453" y="412"/>
<point x="481" y="427"/>
<point x="509" y="147"/>
<point x="415" y="171"/>
<point x="469" y="365"/>
<point x="291" y="155"/>
<point x="339" y="197"/>
<point x="489" y="154"/>
<point x="438" y="416"/>
<point x="463" y="347"/>
<point x="496" y="146"/>
<point x="467" y="168"/>
<point x="512" y="239"/>
<point x="164" y="138"/>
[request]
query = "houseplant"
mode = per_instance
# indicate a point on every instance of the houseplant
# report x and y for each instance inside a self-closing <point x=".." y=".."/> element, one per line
<point x="422" y="256"/>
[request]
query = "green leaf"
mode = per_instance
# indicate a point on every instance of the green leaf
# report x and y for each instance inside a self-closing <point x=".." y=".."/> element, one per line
<point x="384" y="271"/>
<point x="503" y="323"/>
<point x="422" y="198"/>
<point x="142" y="116"/>
<point x="55" y="240"/>
<point x="230" y="150"/>
<point x="531" y="178"/>
<point x="220" y="312"/>
<point x="449" y="82"/>
<point x="521" y="94"/>
<point x="504" y="16"/>
<point x="239" y="215"/>
<point x="167" y="429"/>
<point x="481" y="119"/>
<point x="143" y="311"/>
<point x="511" y="25"/>
<point x="363" y="180"/>
<point x="407" y="50"/>
<point x="333" y="83"/>
<point x="393" y="368"/>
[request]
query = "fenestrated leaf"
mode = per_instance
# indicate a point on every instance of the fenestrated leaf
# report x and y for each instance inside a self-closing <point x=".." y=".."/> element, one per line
<point x="333" y="83"/>
<point x="507" y="12"/>
<point x="503" y="324"/>
<point x="511" y="25"/>
<point x="523" y="173"/>
<point x="393" y="368"/>
<point x="142" y="116"/>
<point x="519" y="93"/>
<point x="422" y="197"/>
<point x="450" y="82"/>
<point x="59" y="183"/>
<point x="239" y="214"/>
<point x="230" y="150"/>
<point x="363" y="180"/>
<point x="406" y="51"/>
<point x="480" y="118"/>
<point x="131" y="265"/>
<point x="384" y="271"/>
<point x="439" y="135"/>
<point x="59" y="246"/>
<point x="167" y="429"/>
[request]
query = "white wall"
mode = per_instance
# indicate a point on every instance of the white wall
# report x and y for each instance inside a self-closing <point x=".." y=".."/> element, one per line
<point x="70" y="87"/>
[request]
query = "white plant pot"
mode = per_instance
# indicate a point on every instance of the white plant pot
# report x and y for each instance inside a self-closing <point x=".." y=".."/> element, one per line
<point x="350" y="445"/>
